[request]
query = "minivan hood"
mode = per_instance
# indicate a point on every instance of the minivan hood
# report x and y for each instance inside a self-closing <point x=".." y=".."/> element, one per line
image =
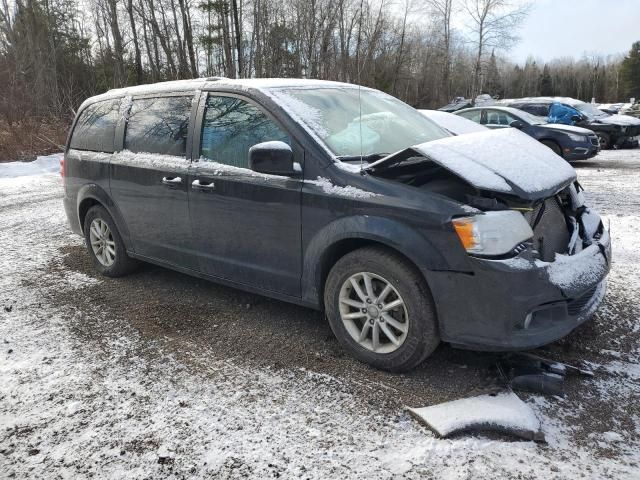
<point x="504" y="161"/>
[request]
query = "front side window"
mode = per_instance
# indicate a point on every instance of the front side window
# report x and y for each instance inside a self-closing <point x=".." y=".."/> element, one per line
<point x="96" y="127"/>
<point x="473" y="115"/>
<point x="158" y="125"/>
<point x="231" y="126"/>
<point x="499" y="118"/>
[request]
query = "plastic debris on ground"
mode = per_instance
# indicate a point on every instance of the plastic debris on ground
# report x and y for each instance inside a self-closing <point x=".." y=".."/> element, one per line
<point x="501" y="412"/>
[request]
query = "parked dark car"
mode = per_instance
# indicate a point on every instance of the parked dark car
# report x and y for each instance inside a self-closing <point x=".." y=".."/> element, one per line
<point x="612" y="130"/>
<point x="571" y="143"/>
<point x="285" y="188"/>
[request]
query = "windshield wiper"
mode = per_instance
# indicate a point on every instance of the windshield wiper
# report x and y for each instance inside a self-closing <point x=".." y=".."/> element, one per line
<point x="372" y="157"/>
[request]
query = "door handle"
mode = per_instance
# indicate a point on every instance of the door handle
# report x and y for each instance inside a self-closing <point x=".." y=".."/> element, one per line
<point x="171" y="181"/>
<point x="203" y="185"/>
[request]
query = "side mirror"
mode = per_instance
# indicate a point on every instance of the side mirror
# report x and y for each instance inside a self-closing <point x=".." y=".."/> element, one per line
<point x="519" y="124"/>
<point x="576" y="118"/>
<point x="275" y="158"/>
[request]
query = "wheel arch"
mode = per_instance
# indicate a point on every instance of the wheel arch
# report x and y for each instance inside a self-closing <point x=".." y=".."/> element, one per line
<point x="90" y="195"/>
<point x="346" y="235"/>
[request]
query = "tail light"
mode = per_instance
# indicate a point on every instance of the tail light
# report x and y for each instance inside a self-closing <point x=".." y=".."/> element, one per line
<point x="62" y="172"/>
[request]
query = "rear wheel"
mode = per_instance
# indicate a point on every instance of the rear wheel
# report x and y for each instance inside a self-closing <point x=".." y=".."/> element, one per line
<point x="380" y="309"/>
<point x="105" y="244"/>
<point x="553" y="146"/>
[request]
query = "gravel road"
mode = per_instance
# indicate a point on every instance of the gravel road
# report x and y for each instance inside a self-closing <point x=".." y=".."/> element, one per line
<point x="162" y="375"/>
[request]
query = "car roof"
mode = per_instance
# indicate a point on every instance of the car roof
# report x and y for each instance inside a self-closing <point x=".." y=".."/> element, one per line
<point x="565" y="100"/>
<point x="210" y="82"/>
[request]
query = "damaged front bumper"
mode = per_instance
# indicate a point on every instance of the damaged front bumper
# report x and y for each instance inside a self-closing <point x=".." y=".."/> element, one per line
<point x="521" y="303"/>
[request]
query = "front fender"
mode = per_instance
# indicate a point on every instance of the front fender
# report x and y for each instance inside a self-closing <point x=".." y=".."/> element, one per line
<point x="94" y="192"/>
<point x="419" y="248"/>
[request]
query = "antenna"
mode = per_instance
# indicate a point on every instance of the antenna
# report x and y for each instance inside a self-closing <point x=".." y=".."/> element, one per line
<point x="360" y="125"/>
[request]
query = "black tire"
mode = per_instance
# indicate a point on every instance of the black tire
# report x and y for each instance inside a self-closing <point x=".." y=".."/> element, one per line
<point x="605" y="140"/>
<point x="422" y="336"/>
<point x="122" y="263"/>
<point x="553" y="146"/>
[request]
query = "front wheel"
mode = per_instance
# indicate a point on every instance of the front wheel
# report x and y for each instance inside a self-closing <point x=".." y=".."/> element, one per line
<point x="553" y="146"/>
<point x="380" y="309"/>
<point x="605" y="140"/>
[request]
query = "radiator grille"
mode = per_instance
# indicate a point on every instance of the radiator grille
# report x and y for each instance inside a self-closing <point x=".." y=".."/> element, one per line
<point x="550" y="231"/>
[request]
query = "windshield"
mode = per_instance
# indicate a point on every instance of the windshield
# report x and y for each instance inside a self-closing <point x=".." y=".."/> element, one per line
<point x="589" y="110"/>
<point x="532" y="119"/>
<point x="353" y="124"/>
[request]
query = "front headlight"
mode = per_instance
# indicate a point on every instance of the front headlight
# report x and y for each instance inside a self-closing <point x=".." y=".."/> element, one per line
<point x="492" y="233"/>
<point x="578" y="138"/>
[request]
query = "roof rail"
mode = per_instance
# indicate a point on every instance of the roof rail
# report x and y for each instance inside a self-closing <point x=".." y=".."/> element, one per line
<point x="215" y="79"/>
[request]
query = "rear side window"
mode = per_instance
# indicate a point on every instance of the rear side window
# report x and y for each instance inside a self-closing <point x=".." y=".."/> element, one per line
<point x="540" y="110"/>
<point x="231" y="126"/>
<point x="96" y="127"/>
<point x="158" y="125"/>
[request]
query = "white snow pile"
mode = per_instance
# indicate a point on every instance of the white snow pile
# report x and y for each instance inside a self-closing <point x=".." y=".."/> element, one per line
<point x="454" y="123"/>
<point x="497" y="159"/>
<point x="43" y="164"/>
<point x="347" y="191"/>
<point x="504" y="412"/>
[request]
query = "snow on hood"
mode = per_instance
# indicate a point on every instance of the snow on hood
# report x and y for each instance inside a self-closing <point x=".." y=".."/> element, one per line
<point x="505" y="161"/>
<point x="620" y="120"/>
<point x="454" y="123"/>
<point x="567" y="128"/>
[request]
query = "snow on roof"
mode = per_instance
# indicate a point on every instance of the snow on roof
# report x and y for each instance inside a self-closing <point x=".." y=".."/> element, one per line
<point x="201" y="83"/>
<point x="565" y="100"/>
<point x="454" y="123"/>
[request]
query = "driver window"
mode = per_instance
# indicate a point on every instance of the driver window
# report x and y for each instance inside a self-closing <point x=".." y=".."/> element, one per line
<point x="231" y="126"/>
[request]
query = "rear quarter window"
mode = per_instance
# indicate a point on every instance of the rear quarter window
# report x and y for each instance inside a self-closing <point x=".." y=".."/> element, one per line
<point x="158" y="125"/>
<point x="96" y="127"/>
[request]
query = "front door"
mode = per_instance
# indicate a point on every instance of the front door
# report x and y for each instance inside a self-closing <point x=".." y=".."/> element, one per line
<point x="149" y="178"/>
<point x="246" y="225"/>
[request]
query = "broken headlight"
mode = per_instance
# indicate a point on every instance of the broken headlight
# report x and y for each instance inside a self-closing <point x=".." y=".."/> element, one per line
<point x="492" y="233"/>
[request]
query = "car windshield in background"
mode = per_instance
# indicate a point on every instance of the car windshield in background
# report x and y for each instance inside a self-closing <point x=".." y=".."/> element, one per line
<point x="353" y="123"/>
<point x="532" y="119"/>
<point x="589" y="110"/>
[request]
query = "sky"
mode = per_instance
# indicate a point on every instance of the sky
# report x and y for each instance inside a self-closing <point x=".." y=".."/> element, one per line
<point x="557" y="28"/>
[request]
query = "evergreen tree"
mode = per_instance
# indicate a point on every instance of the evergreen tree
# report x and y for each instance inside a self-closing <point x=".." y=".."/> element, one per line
<point x="630" y="72"/>
<point x="493" y="85"/>
<point x="546" y="83"/>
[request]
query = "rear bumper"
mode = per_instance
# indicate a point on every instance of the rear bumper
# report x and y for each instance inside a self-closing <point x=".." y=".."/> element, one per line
<point x="70" y="209"/>
<point x="519" y="303"/>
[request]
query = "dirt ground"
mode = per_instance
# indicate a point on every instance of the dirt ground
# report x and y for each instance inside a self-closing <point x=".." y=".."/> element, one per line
<point x="162" y="375"/>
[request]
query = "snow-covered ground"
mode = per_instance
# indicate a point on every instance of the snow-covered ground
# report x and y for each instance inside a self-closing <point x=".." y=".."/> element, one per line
<point x="97" y="383"/>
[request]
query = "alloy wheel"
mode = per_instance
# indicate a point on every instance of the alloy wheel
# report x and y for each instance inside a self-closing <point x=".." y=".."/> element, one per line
<point x="102" y="243"/>
<point x="373" y="312"/>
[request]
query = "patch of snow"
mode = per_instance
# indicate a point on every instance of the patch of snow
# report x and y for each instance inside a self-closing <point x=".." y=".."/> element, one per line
<point x="42" y="164"/>
<point x="456" y="124"/>
<point x="574" y="272"/>
<point x="347" y="191"/>
<point x="503" y="412"/>
<point x="626" y="120"/>
<point x="272" y="145"/>
<point x="154" y="161"/>
<point x="612" y="437"/>
<point x="304" y="114"/>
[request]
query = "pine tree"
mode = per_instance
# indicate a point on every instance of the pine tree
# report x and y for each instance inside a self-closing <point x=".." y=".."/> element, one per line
<point x="630" y="72"/>
<point x="546" y="83"/>
<point x="493" y="85"/>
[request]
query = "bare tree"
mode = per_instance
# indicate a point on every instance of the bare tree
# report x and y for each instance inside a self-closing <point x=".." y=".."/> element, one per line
<point x="494" y="25"/>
